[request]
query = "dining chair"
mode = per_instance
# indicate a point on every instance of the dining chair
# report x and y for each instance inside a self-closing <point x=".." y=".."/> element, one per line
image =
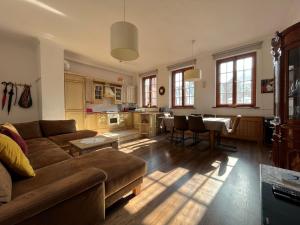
<point x="209" y="116"/>
<point x="231" y="131"/>
<point x="180" y="125"/>
<point x="196" y="125"/>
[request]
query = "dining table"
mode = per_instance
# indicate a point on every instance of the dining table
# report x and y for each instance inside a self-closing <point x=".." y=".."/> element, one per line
<point x="215" y="125"/>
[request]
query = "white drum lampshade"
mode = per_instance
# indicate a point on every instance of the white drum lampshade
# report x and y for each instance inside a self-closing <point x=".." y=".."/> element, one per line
<point x="192" y="75"/>
<point x="124" y="41"/>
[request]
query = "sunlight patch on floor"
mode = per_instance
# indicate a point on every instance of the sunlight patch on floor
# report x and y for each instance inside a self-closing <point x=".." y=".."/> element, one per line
<point x="188" y="203"/>
<point x="153" y="185"/>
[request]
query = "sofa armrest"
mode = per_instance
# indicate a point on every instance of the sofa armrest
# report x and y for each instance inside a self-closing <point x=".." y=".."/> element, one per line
<point x="43" y="198"/>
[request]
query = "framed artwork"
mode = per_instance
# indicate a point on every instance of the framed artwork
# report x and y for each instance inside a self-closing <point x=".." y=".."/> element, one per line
<point x="267" y="86"/>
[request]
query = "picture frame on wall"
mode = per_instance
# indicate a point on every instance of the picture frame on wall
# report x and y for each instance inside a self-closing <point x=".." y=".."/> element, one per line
<point x="267" y="86"/>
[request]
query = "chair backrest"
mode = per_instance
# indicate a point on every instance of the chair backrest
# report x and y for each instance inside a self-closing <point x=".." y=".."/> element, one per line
<point x="209" y="115"/>
<point x="235" y="124"/>
<point x="181" y="123"/>
<point x="196" y="124"/>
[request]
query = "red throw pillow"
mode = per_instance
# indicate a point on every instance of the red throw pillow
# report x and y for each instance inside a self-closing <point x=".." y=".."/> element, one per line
<point x="17" y="138"/>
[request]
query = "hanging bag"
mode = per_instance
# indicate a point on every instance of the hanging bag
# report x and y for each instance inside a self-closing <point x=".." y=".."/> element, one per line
<point x="25" y="100"/>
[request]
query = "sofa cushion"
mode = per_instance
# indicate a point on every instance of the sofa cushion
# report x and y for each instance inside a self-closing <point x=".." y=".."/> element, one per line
<point x="13" y="157"/>
<point x="63" y="139"/>
<point x="42" y="152"/>
<point x="17" y="138"/>
<point x="5" y="185"/>
<point x="56" y="127"/>
<point x="121" y="168"/>
<point x="29" y="130"/>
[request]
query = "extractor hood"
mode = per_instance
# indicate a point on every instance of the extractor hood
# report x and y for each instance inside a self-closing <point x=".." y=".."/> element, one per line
<point x="108" y="92"/>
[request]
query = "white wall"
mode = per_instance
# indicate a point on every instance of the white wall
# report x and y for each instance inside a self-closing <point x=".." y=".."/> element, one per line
<point x="51" y="81"/>
<point x="19" y="63"/>
<point x="205" y="95"/>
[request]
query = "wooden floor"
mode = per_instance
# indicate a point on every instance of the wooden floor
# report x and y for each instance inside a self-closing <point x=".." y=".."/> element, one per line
<point x="186" y="185"/>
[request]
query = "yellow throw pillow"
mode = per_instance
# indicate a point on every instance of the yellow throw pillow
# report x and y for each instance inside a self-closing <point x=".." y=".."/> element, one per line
<point x="12" y="156"/>
<point x="10" y="127"/>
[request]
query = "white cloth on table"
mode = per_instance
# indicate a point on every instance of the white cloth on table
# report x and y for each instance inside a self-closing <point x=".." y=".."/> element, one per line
<point x="215" y="123"/>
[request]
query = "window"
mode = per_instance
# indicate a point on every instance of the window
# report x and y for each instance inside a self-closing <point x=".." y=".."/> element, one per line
<point x="183" y="92"/>
<point x="149" y="91"/>
<point x="236" y="79"/>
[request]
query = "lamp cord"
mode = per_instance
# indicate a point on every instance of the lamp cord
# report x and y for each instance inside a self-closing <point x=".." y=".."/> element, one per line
<point x="124" y="10"/>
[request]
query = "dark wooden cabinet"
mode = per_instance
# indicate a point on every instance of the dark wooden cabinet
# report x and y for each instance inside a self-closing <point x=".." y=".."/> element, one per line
<point x="286" y="59"/>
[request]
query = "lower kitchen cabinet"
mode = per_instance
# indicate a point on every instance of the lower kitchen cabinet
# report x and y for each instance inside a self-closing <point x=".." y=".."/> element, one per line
<point x="91" y="121"/>
<point x="78" y="116"/>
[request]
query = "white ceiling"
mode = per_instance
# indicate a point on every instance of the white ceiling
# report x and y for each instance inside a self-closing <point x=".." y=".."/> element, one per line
<point x="166" y="27"/>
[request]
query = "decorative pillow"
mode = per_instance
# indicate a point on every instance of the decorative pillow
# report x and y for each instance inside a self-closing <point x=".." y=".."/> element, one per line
<point x="17" y="138"/>
<point x="10" y="127"/>
<point x="5" y="185"/>
<point x="13" y="157"/>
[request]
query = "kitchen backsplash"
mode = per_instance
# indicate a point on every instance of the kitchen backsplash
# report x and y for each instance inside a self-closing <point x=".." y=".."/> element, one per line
<point x="108" y="105"/>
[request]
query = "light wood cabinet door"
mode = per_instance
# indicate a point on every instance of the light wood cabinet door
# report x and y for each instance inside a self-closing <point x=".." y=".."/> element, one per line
<point x="74" y="95"/>
<point x="136" y="120"/>
<point x="91" y="122"/>
<point x="78" y="117"/>
<point x="130" y="95"/>
<point x="129" y="120"/>
<point x="89" y="91"/>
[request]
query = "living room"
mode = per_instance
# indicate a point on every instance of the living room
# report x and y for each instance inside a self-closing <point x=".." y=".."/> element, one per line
<point x="143" y="112"/>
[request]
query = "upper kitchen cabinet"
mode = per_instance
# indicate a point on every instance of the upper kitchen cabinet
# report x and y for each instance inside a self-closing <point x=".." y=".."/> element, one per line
<point x="98" y="93"/>
<point x="89" y="90"/>
<point x="118" y="95"/>
<point x="74" y="92"/>
<point x="130" y="94"/>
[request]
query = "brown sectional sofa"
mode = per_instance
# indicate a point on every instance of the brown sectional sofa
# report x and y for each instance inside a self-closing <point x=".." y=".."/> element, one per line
<point x="68" y="190"/>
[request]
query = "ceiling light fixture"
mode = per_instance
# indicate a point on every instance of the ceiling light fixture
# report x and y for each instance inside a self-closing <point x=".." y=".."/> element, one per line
<point x="45" y="6"/>
<point x="193" y="74"/>
<point x="124" y="40"/>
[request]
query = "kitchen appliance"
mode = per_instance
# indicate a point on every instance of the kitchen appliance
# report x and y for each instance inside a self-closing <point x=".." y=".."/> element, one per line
<point x="113" y="119"/>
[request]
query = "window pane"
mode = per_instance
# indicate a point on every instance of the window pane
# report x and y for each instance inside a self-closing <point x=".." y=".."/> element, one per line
<point x="223" y="78"/>
<point x="247" y="75"/>
<point x="240" y="76"/>
<point x="248" y="63"/>
<point x="239" y="64"/>
<point x="223" y="68"/>
<point x="229" y="66"/>
<point x="229" y="98"/>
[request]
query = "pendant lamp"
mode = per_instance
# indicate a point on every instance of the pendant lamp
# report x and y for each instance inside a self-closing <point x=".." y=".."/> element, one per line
<point x="124" y="40"/>
<point x="193" y="74"/>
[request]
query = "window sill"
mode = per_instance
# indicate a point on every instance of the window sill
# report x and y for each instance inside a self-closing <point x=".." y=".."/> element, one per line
<point x="237" y="107"/>
<point x="183" y="107"/>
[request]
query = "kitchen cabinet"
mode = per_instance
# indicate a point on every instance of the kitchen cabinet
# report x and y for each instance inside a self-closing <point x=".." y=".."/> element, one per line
<point x="98" y="92"/>
<point x="130" y="94"/>
<point x="102" y="122"/>
<point x="78" y="116"/>
<point x="125" y="120"/>
<point x="74" y="92"/>
<point x="118" y="95"/>
<point x="91" y="121"/>
<point x="89" y="88"/>
<point x="75" y="99"/>
<point x="136" y="120"/>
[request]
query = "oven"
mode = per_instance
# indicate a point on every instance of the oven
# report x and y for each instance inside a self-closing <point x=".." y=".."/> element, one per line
<point x="113" y="119"/>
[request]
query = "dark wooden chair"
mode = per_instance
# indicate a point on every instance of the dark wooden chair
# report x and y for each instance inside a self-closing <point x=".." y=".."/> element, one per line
<point x="197" y="126"/>
<point x="180" y="125"/>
